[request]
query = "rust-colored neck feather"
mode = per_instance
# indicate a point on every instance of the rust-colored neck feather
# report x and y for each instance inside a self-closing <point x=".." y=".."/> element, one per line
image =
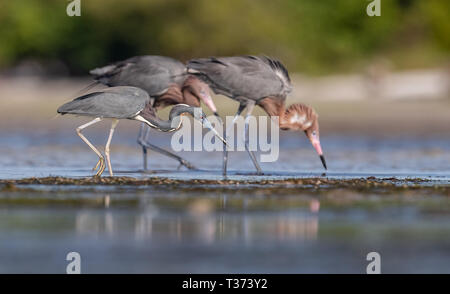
<point x="274" y="106"/>
<point x="190" y="81"/>
<point x="189" y="91"/>
<point x="299" y="117"/>
<point x="172" y="96"/>
<point x="295" y="117"/>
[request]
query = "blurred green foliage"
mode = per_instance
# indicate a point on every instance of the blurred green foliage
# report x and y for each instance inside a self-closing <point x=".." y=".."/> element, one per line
<point x="311" y="36"/>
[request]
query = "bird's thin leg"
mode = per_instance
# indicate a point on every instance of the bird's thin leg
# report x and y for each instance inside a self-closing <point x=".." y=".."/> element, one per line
<point x="142" y="137"/>
<point x="111" y="132"/>
<point x="155" y="148"/>
<point x="101" y="160"/>
<point x="246" y="139"/>
<point x="227" y="131"/>
<point x="144" y="142"/>
<point x="96" y="166"/>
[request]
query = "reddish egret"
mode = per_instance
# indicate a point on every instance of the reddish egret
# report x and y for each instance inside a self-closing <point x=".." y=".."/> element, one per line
<point x="258" y="80"/>
<point x="125" y="103"/>
<point x="165" y="79"/>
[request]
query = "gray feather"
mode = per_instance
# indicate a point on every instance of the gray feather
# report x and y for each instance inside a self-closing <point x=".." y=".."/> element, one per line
<point x="252" y="77"/>
<point x="115" y="102"/>
<point x="152" y="73"/>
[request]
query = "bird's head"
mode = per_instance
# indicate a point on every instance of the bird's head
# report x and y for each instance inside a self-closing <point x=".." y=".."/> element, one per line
<point x="194" y="90"/>
<point x="300" y="117"/>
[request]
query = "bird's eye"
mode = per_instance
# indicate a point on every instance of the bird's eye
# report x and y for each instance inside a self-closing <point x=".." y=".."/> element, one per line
<point x="314" y="133"/>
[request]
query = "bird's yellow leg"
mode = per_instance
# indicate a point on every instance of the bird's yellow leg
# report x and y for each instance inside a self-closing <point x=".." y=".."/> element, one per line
<point x="111" y="132"/>
<point x="101" y="160"/>
<point x="98" y="163"/>
<point x="102" y="167"/>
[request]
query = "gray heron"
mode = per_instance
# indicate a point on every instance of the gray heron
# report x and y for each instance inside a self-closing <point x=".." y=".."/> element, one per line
<point x="125" y="102"/>
<point x="166" y="81"/>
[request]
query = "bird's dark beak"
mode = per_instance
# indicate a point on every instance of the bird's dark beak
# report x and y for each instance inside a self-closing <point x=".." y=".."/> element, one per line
<point x="324" y="163"/>
<point x="207" y="124"/>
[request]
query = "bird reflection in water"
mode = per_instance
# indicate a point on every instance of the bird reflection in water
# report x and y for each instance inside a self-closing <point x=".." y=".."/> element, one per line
<point x="205" y="221"/>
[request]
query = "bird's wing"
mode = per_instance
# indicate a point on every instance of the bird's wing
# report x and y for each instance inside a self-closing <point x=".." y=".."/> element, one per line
<point x="248" y="76"/>
<point x="116" y="102"/>
<point x="152" y="73"/>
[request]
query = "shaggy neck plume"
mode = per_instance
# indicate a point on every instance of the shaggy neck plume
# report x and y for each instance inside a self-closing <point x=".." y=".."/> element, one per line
<point x="274" y="106"/>
<point x="172" y="96"/>
<point x="188" y="91"/>
<point x="295" y="117"/>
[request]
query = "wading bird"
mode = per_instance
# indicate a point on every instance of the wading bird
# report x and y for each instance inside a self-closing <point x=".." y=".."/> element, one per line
<point x="166" y="81"/>
<point x="255" y="80"/>
<point x="126" y="103"/>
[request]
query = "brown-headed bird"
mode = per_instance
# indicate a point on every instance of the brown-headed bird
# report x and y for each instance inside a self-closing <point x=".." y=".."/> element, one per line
<point x="258" y="80"/>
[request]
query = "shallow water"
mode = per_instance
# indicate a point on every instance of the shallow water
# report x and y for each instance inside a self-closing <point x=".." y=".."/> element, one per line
<point x="121" y="229"/>
<point x="44" y="153"/>
<point x="170" y="232"/>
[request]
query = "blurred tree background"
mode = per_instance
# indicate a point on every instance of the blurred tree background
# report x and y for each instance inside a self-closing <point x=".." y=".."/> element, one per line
<point x="310" y="36"/>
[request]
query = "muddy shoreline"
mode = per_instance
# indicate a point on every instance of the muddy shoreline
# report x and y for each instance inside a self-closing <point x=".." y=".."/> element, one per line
<point x="277" y="186"/>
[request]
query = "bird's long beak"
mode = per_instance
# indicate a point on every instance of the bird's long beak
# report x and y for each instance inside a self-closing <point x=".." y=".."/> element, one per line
<point x="207" y="99"/>
<point x="207" y="124"/>
<point x="324" y="163"/>
<point x="316" y="145"/>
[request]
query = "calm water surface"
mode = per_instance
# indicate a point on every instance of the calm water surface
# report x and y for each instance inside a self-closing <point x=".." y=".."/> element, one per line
<point x="156" y="230"/>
